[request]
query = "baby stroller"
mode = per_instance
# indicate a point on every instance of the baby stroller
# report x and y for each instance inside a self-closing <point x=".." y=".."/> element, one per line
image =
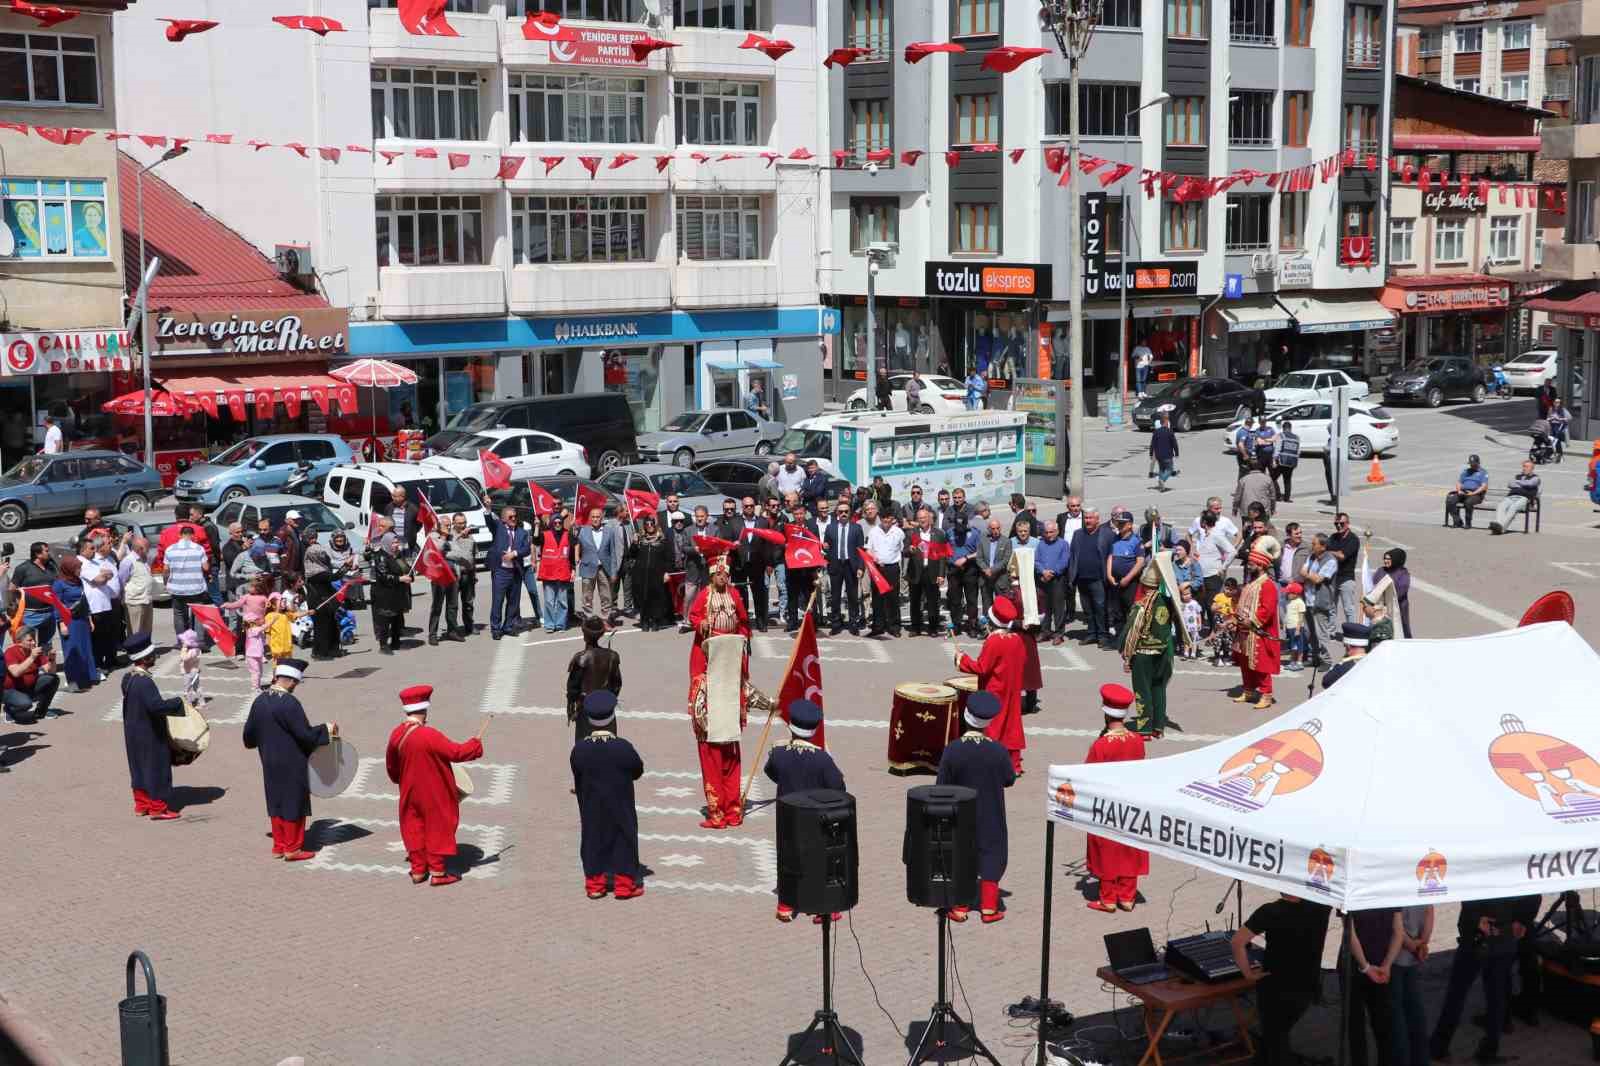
<point x="1544" y="448"/>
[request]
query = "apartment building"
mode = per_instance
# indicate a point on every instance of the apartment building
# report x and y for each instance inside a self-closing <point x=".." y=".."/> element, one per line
<point x="61" y="308"/>
<point x="1263" y="84"/>
<point x="678" y="286"/>
<point x="1504" y="50"/>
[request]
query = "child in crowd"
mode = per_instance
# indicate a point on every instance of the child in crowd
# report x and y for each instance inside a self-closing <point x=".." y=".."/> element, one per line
<point x="1191" y="620"/>
<point x="1294" y="625"/>
<point x="1222" y="608"/>
<point x="279" y="625"/>
<point x="252" y="607"/>
<point x="189" y="661"/>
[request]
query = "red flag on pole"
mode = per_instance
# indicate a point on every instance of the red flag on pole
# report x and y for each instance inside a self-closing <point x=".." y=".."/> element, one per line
<point x="427" y="517"/>
<point x="802" y="550"/>
<point x="544" y="504"/>
<point x="44" y="594"/>
<point x="771" y="536"/>
<point x="933" y="550"/>
<point x="496" y="471"/>
<point x="349" y="583"/>
<point x="641" y="503"/>
<point x="804" y="681"/>
<point x="431" y="564"/>
<point x="588" y="500"/>
<point x="879" y="582"/>
<point x="211" y="620"/>
<point x="712" y="547"/>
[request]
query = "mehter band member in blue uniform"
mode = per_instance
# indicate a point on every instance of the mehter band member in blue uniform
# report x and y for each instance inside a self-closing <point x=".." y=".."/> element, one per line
<point x="800" y="765"/>
<point x="976" y="762"/>
<point x="144" y="730"/>
<point x="1356" y="637"/>
<point x="279" y="732"/>
<point x="604" y="768"/>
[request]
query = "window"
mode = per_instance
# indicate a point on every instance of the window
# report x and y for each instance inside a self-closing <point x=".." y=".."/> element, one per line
<point x="1292" y="221"/>
<point x="1361" y="128"/>
<point x="1583" y="212"/>
<point x="1469" y="38"/>
<point x="56" y="218"/>
<point x="1183" y="228"/>
<point x="48" y="68"/>
<point x="1505" y="238"/>
<point x="720" y="227"/>
<point x="869" y="129"/>
<point x="1186" y="18"/>
<point x="1514" y="87"/>
<point x="1516" y="34"/>
<point x="1249" y="227"/>
<point x="873" y="219"/>
<point x="1104" y="110"/>
<point x="430" y="231"/>
<point x="708" y="14"/>
<point x="1296" y="119"/>
<point x="1356" y="220"/>
<point x="976" y="228"/>
<point x="425" y="105"/>
<point x="976" y="18"/>
<point x="1538" y="247"/>
<point x="579" y="229"/>
<point x="1430" y="42"/>
<point x="1125" y="14"/>
<point x="1364" y="36"/>
<point x="869" y="28"/>
<point x="1186" y="121"/>
<point x="1250" y="120"/>
<point x="1113" y="228"/>
<point x="1467" y="85"/>
<point x="1250" y="22"/>
<point x="590" y="110"/>
<point x="1589" y="88"/>
<point x="1298" y="30"/>
<point x="976" y="119"/>
<point x="1449" y="240"/>
<point x="717" y="112"/>
<point x="1402" y="234"/>
<point x="1558" y="83"/>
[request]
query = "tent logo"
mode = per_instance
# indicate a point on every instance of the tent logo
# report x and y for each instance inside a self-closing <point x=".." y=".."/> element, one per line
<point x="1562" y="778"/>
<point x="1430" y="874"/>
<point x="1275" y="765"/>
<point x="1065" y="797"/>
<point x="1319" y="870"/>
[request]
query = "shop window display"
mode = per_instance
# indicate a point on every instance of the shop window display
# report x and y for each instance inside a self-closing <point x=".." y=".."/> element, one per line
<point x="995" y="343"/>
<point x="902" y="340"/>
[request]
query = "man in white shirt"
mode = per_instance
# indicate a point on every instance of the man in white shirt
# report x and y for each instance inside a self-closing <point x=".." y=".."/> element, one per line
<point x="791" y="476"/>
<point x="886" y="543"/>
<point x="54" y="443"/>
<point x="187" y="564"/>
<point x="1225" y="524"/>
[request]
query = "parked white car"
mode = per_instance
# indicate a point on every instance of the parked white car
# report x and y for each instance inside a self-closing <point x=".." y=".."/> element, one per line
<point x="1532" y="369"/>
<point x="1372" y="428"/>
<point x="354" y="491"/>
<point x="940" y="395"/>
<point x="1307" y="386"/>
<point x="527" y="452"/>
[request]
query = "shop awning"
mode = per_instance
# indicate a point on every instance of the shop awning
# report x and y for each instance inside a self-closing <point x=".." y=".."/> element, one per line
<point x="740" y="361"/>
<point x="1164" y="308"/>
<point x="1313" y="315"/>
<point x="290" y="385"/>
<point x="1255" y="315"/>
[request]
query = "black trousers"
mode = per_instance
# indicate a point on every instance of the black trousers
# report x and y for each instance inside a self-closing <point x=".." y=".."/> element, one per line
<point x="1374" y="1002"/>
<point x="755" y="585"/>
<point x="387" y="628"/>
<point x="1455" y="503"/>
<point x="961" y="590"/>
<point x="446" y="598"/>
<point x="925" y="602"/>
<point x="1052" y="606"/>
<point x="886" y="605"/>
<point x="324" y="624"/>
<point x="1209" y="587"/>
<point x="1285" y="476"/>
<point x="1327" y="470"/>
<point x="1279" y="1013"/>
<point x="1464" y="969"/>
<point x="465" y="588"/>
<point x="844" y="590"/>
<point x="107" y="636"/>
<point x="798" y="584"/>
<point x="1119" y="601"/>
<point x="1092" y="596"/>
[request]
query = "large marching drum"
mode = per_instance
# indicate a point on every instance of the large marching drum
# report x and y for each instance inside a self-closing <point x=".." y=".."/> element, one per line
<point x="924" y="720"/>
<point x="965" y="685"/>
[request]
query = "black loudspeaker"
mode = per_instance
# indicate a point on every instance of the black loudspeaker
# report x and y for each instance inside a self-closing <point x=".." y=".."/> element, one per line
<point x="941" y="846"/>
<point x="818" y="862"/>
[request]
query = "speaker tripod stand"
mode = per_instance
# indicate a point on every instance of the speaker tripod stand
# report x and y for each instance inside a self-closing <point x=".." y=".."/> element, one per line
<point x="944" y="1016"/>
<point x="825" y="1022"/>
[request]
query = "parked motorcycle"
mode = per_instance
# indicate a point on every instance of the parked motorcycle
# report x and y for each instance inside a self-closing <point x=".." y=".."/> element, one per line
<point x="303" y="483"/>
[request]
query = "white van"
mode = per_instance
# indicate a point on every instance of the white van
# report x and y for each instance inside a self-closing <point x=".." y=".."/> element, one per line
<point x="356" y="490"/>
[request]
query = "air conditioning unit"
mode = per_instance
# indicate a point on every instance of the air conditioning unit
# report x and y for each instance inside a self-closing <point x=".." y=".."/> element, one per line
<point x="1263" y="262"/>
<point x="294" y="260"/>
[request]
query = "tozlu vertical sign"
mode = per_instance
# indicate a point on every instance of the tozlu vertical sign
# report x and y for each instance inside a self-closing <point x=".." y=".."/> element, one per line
<point x="1094" y="242"/>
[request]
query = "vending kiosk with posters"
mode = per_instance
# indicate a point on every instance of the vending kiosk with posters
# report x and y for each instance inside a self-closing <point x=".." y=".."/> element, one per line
<point x="980" y="452"/>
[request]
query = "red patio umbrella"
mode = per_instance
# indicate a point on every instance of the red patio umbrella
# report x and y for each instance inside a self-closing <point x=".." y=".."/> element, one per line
<point x="374" y="374"/>
<point x="163" y="404"/>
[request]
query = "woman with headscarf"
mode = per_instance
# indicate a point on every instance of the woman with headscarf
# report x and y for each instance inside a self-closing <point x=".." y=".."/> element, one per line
<point x="77" y="650"/>
<point x="650" y="555"/>
<point x="391" y="595"/>
<point x="1387" y="595"/>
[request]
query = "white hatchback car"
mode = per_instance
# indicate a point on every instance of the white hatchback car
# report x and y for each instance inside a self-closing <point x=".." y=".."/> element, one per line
<point x="356" y="490"/>
<point x="527" y="452"/>
<point x="1532" y="368"/>
<point x="940" y="395"/>
<point x="1307" y="386"/>
<point x="1372" y="428"/>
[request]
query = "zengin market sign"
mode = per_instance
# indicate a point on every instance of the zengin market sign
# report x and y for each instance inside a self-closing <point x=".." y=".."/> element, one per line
<point x="310" y="332"/>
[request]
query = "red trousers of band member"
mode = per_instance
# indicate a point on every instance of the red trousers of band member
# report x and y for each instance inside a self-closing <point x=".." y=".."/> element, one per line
<point x="288" y="835"/>
<point x="1119" y="889"/>
<point x="144" y="804"/>
<point x="988" y="896"/>
<point x="719" y="770"/>
<point x="1256" y="681"/>
<point x="625" y="886"/>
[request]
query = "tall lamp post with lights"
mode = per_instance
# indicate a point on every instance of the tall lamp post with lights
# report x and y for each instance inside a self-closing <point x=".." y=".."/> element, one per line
<point x="1072" y="24"/>
<point x="148" y="277"/>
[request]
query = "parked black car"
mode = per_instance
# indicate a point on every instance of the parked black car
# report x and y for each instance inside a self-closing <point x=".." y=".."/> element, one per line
<point x="738" y="475"/>
<point x="562" y="487"/>
<point x="1196" y="402"/>
<point x="600" y="421"/>
<point x="1441" y="378"/>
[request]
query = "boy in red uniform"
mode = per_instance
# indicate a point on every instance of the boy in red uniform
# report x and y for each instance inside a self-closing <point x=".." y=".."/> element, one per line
<point x="1118" y="866"/>
<point x="418" y="760"/>
<point x="1000" y="667"/>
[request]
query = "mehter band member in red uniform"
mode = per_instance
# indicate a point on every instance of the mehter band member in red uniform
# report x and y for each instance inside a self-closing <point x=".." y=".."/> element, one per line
<point x="976" y="761"/>
<point x="144" y="731"/>
<point x="1118" y="866"/>
<point x="718" y="610"/>
<point x="1258" y="651"/>
<point x="604" y="768"/>
<point x="418" y="759"/>
<point x="279" y="732"/>
<point x="1000" y="666"/>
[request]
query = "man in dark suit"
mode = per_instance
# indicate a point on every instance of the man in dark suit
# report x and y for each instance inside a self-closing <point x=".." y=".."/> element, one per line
<point x="506" y="559"/>
<point x="1086" y="572"/>
<point x="403" y="510"/>
<point x="842" y="541"/>
<point x="752" y="559"/>
<point x="926" y="551"/>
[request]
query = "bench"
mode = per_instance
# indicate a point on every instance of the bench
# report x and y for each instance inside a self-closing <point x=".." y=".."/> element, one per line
<point x="1532" y="513"/>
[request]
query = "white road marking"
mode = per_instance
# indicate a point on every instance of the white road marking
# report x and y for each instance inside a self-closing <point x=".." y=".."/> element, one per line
<point x="680" y="860"/>
<point x="1577" y="569"/>
<point x="490" y="839"/>
<point x="496" y="794"/>
<point x="503" y="678"/>
<point x="758" y="792"/>
<point x="763" y="854"/>
<point x="832" y="651"/>
<point x="1471" y="606"/>
<point x="674" y="792"/>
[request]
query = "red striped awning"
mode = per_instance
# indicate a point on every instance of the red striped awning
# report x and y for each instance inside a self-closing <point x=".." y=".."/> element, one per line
<point x="289" y="385"/>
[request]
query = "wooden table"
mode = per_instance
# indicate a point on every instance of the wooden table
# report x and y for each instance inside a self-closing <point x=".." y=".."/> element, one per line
<point x="1163" y="1000"/>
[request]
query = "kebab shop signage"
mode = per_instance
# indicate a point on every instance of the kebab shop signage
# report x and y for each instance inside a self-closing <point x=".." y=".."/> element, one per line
<point x="285" y="335"/>
<point x="70" y="352"/>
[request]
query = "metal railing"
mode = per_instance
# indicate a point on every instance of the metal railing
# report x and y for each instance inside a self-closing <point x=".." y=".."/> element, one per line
<point x="1364" y="54"/>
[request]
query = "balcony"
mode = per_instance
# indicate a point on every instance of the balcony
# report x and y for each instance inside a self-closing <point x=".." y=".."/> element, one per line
<point x="1572" y="262"/>
<point x="441" y="292"/>
<point x="477" y="46"/>
<point x="1581" y="140"/>
<point x="731" y="283"/>
<point x="1364" y="55"/>
<point x="717" y="53"/>
<point x="587" y="287"/>
<point x="1572" y="21"/>
<point x="598" y="50"/>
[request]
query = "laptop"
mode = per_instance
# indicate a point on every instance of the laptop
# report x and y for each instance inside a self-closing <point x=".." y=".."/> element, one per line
<point x="1132" y="954"/>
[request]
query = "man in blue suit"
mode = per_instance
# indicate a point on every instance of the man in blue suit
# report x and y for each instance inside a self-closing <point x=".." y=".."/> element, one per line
<point x="842" y="541"/>
<point x="599" y="559"/>
<point x="507" y="560"/>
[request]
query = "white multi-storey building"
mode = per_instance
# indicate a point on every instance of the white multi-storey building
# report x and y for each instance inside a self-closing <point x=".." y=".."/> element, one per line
<point x="675" y="285"/>
<point x="1500" y="49"/>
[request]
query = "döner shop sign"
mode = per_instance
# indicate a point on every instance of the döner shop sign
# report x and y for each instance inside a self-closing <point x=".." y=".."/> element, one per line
<point x="1442" y="202"/>
<point x="309" y="332"/>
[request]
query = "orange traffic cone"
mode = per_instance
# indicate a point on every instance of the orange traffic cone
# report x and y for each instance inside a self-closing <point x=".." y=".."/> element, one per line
<point x="1375" y="472"/>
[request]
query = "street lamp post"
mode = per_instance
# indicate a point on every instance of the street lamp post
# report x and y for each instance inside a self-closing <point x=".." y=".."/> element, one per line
<point x="146" y="336"/>
<point x="1129" y="199"/>
<point x="879" y="255"/>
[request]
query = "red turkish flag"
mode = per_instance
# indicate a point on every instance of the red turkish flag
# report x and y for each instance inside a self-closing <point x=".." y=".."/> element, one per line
<point x="422" y="153"/>
<point x="663" y="162"/>
<point x="425" y="18"/>
<point x="291" y="403"/>
<point x="1009" y="57"/>
<point x="774" y="49"/>
<point x="641" y="503"/>
<point x="713" y="547"/>
<point x="509" y="165"/>
<point x="459" y="160"/>
<point x="932" y="550"/>
<point x="910" y="156"/>
<point x="349" y="583"/>
<point x="879" y="582"/>
<point x="845" y="56"/>
<point x="208" y="403"/>
<point x="642" y="47"/>
<point x="803" y="551"/>
<point x="319" y="396"/>
<point x="346" y="395"/>
<point x="330" y="154"/>
<point x="211" y="620"/>
<point x="236" y="406"/>
<point x="771" y="536"/>
<point x="882" y="155"/>
<point x="591" y="163"/>
<point x="353" y="148"/>
<point x="770" y="157"/>
<point x="56" y="135"/>
<point x="178" y="29"/>
<point x="431" y="564"/>
<point x="427" y="517"/>
<point x="1016" y="155"/>
<point x="952" y="159"/>
<point x="389" y="156"/>
<point x="917" y="51"/>
<point x="496" y="471"/>
<point x="315" y="23"/>
<point x="804" y="680"/>
<point x="294" y="146"/>
<point x="621" y="159"/>
<point x="587" y="500"/>
<point x="263" y="404"/>
<point x="801" y="153"/>
<point x="546" y="26"/>
<point x="219" y="138"/>
<point x="46" y="14"/>
<point x="544" y="504"/>
<point x="45" y="594"/>
<point x="551" y="162"/>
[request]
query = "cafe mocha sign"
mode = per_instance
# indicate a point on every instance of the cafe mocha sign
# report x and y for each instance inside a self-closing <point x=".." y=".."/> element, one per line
<point x="273" y="335"/>
<point x="1453" y="202"/>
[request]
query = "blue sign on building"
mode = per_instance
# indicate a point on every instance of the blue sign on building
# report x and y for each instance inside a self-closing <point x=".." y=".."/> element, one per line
<point x="1233" y="286"/>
